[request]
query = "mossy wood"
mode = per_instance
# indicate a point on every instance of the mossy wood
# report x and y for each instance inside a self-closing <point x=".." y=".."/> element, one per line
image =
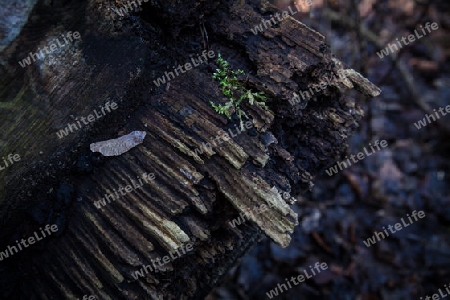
<point x="194" y="193"/>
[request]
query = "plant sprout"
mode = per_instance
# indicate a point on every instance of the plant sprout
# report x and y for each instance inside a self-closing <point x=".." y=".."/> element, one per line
<point x="234" y="89"/>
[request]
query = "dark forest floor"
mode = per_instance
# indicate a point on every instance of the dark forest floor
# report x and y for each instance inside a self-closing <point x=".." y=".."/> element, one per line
<point x="412" y="173"/>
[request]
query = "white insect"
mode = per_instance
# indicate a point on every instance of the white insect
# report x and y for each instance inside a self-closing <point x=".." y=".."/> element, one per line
<point x="120" y="145"/>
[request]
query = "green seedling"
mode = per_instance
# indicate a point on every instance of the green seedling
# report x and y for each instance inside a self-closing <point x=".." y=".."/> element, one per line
<point x="234" y="89"/>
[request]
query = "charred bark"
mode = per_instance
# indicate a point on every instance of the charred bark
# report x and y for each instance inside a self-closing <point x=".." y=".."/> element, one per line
<point x="193" y="195"/>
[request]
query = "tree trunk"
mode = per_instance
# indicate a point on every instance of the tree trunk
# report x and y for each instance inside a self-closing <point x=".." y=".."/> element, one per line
<point x="193" y="195"/>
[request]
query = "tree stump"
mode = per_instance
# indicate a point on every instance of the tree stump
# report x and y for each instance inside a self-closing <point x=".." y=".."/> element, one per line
<point x="195" y="193"/>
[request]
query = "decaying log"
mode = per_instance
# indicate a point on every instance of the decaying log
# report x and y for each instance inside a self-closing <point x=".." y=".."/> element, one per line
<point x="194" y="194"/>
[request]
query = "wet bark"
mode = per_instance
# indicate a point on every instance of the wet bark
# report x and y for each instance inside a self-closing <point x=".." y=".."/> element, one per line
<point x="194" y="195"/>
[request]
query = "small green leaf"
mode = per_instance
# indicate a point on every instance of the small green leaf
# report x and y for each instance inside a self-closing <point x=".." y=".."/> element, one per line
<point x="235" y="90"/>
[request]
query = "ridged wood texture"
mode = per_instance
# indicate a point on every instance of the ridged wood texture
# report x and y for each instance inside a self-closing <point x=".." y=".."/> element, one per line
<point x="193" y="195"/>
